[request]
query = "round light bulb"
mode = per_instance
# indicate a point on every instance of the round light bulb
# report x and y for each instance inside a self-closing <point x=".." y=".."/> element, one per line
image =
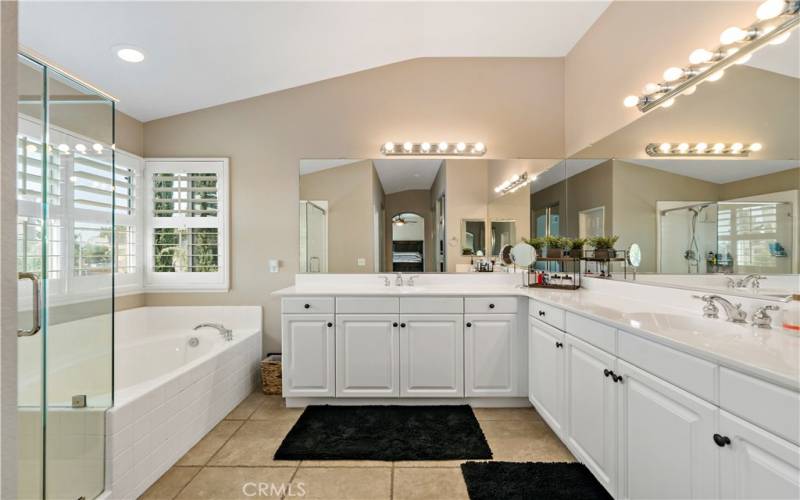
<point x="98" y="148"/>
<point x="665" y="147"/>
<point x="700" y="56"/>
<point x="407" y="147"/>
<point x="770" y="9"/>
<point x="668" y="103"/>
<point x="719" y="147"/>
<point x="498" y="189"/>
<point x="732" y="35"/>
<point x="388" y="147"/>
<point x="480" y="147"/>
<point x="673" y="73"/>
<point x="780" y="38"/>
<point x="701" y="147"/>
<point x="630" y="101"/>
<point x="716" y="76"/>
<point x="756" y="146"/>
<point x="691" y="90"/>
<point x="683" y="147"/>
<point x="651" y="88"/>
<point x="736" y="147"/>
<point x="80" y="148"/>
<point x="425" y="147"/>
<point x="442" y="147"/>
<point x="30" y="149"/>
<point x="460" y="147"/>
<point x="514" y="178"/>
<point x="63" y="148"/>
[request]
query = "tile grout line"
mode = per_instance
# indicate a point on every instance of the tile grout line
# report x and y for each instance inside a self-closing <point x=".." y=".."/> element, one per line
<point x="391" y="484"/>
<point x="291" y="479"/>
<point x="199" y="469"/>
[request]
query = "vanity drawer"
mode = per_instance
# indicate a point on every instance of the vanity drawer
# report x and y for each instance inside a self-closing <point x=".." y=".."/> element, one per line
<point x="431" y="305"/>
<point x="767" y="405"/>
<point x="367" y="305"/>
<point x="483" y="305"/>
<point x="692" y="374"/>
<point x="593" y="332"/>
<point x="307" y="305"/>
<point x="553" y="316"/>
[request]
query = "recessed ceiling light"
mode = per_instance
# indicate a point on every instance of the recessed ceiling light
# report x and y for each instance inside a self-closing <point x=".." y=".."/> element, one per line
<point x="129" y="54"/>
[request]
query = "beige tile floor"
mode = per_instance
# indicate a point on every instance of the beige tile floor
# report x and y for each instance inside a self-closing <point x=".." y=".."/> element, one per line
<point x="239" y="451"/>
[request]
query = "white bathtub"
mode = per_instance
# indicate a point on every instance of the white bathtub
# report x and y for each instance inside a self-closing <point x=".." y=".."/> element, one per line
<point x="168" y="394"/>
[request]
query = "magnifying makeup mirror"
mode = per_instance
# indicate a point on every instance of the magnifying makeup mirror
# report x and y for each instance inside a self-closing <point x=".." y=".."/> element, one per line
<point x="634" y="257"/>
<point x="523" y="255"/>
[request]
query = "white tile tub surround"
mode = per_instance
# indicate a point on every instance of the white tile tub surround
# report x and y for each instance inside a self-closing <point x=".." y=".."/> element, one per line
<point x="158" y="419"/>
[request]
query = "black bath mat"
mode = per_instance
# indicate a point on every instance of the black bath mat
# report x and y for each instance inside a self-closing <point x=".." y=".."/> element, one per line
<point x="531" y="481"/>
<point x="385" y="433"/>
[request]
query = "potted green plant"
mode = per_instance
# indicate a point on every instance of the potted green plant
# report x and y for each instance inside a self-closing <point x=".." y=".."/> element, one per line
<point x="604" y="246"/>
<point x="467" y="251"/>
<point x="575" y="247"/>
<point x="537" y="243"/>
<point x="555" y="246"/>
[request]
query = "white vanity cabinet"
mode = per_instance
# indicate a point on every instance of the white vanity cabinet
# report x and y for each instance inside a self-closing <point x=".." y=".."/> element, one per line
<point x="666" y="446"/>
<point x="308" y="366"/>
<point x="367" y="355"/>
<point x="591" y="407"/>
<point x="490" y="351"/>
<point x="431" y="355"/>
<point x="754" y="463"/>
<point x="546" y="373"/>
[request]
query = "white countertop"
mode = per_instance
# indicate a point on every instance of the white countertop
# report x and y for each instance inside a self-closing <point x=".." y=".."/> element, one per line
<point x="771" y="354"/>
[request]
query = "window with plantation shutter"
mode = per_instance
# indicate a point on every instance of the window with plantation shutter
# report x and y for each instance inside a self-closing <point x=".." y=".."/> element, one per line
<point x="747" y="231"/>
<point x="187" y="224"/>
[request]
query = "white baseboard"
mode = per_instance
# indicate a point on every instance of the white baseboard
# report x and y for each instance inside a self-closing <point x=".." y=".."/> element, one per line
<point x="474" y="402"/>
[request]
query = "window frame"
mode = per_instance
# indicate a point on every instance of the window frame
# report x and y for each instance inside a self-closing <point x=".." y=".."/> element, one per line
<point x="163" y="282"/>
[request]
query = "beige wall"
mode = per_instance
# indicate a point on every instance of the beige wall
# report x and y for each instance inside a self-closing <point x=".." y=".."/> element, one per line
<point x="512" y="206"/>
<point x="632" y="43"/>
<point x="348" y="191"/>
<point x="636" y="190"/>
<point x="514" y="105"/>
<point x="417" y="201"/>
<point x="466" y="198"/>
<point x="770" y="183"/>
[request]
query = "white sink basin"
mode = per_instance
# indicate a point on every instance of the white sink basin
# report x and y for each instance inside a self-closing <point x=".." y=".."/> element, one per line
<point x="678" y="322"/>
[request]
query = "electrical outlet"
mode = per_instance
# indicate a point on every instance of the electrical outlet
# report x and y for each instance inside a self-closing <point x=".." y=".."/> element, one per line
<point x="361" y="261"/>
<point x="274" y="265"/>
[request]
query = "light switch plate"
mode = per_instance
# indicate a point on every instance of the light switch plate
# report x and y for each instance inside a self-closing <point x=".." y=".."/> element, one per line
<point x="274" y="264"/>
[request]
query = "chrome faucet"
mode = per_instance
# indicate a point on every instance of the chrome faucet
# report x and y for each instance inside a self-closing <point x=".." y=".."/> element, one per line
<point x="386" y="281"/>
<point x="398" y="280"/>
<point x="410" y="279"/>
<point x="226" y="333"/>
<point x="761" y="317"/>
<point x="734" y="312"/>
<point x="754" y="278"/>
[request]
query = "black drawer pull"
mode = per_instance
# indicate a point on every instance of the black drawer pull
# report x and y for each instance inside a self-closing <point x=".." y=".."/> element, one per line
<point x="721" y="440"/>
<point x="559" y="345"/>
<point x="330" y="325"/>
<point x="469" y="325"/>
<point x="617" y="378"/>
<point x="607" y="372"/>
<point x="402" y="325"/>
<point x="491" y="306"/>
<point x="307" y="306"/>
<point x="394" y="325"/>
<point x="541" y="313"/>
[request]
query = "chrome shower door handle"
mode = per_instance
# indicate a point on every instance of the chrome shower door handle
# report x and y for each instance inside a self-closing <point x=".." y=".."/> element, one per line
<point x="37" y="325"/>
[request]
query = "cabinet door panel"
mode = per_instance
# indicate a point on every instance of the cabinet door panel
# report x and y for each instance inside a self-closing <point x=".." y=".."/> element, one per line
<point x="308" y="366"/>
<point x="757" y="464"/>
<point x="546" y="366"/>
<point x="592" y="410"/>
<point x="367" y="355"/>
<point x="666" y="448"/>
<point x="490" y="354"/>
<point x="432" y="355"/>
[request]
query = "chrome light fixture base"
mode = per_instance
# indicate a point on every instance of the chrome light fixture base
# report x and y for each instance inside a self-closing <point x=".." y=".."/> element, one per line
<point x="473" y="149"/>
<point x="700" y="150"/>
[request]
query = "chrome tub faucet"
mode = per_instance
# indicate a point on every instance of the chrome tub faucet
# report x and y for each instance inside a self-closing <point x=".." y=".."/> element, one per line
<point x="226" y="333"/>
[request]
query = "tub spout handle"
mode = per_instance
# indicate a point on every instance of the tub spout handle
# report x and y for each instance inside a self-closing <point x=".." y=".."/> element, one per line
<point x="226" y="333"/>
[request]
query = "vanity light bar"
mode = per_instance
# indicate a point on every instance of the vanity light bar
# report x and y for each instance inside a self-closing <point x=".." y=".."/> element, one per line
<point x="701" y="149"/>
<point x="776" y="20"/>
<point x="433" y="149"/>
<point x="514" y="183"/>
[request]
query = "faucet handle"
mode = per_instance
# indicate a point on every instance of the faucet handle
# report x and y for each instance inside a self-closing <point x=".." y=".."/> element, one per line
<point x="410" y="279"/>
<point x="386" y="281"/>
<point x="761" y="317"/>
<point x="710" y="309"/>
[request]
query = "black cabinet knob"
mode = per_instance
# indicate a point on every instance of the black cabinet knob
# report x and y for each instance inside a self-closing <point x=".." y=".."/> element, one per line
<point x="607" y="372"/>
<point x="559" y="344"/>
<point x="330" y="324"/>
<point x="402" y="325"/>
<point x="307" y="306"/>
<point x="491" y="306"/>
<point x="394" y="325"/>
<point x="721" y="440"/>
<point x="469" y="325"/>
<point x="541" y="313"/>
<point x="617" y="378"/>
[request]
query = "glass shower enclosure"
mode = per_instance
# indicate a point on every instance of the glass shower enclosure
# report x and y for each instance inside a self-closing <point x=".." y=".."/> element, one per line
<point x="66" y="184"/>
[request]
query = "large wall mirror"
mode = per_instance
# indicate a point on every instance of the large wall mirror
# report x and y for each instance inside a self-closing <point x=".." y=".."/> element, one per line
<point x="415" y="215"/>
<point x="701" y="218"/>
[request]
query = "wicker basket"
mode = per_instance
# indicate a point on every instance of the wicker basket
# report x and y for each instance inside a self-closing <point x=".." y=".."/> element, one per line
<point x="271" y="381"/>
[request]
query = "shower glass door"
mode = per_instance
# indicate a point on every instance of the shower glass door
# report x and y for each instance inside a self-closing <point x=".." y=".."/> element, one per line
<point x="65" y="258"/>
<point x="313" y="237"/>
